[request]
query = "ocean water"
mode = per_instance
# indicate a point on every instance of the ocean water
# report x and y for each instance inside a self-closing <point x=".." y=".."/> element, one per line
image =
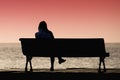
<point x="11" y="57"/>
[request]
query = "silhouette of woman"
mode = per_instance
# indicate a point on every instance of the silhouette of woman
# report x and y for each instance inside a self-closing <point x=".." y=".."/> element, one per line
<point x="44" y="33"/>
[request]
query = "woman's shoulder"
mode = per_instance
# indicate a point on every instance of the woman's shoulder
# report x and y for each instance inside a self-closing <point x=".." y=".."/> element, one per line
<point x="50" y="32"/>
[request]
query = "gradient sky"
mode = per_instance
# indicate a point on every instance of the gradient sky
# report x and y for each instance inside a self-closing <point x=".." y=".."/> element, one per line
<point x="65" y="18"/>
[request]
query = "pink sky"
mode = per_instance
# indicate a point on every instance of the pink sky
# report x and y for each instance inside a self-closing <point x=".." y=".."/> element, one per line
<point x="65" y="18"/>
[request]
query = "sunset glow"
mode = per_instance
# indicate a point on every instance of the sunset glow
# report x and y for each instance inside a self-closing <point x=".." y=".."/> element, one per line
<point x="65" y="18"/>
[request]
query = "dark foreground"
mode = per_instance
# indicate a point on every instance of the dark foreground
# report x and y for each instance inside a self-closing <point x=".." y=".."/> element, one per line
<point x="60" y="74"/>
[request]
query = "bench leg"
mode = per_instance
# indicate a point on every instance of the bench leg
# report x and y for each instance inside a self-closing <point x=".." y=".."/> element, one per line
<point x="102" y="61"/>
<point x="52" y="63"/>
<point x="26" y="64"/>
<point x="104" y="65"/>
<point x="28" y="59"/>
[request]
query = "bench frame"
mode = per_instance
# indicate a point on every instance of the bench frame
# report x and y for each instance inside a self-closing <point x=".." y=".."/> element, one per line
<point x="29" y="56"/>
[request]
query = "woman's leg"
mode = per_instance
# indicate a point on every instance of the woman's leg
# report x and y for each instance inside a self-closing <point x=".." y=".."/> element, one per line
<point x="52" y="63"/>
<point x="61" y="60"/>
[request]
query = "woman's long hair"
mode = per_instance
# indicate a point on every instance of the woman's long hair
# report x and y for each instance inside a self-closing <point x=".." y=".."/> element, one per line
<point x="43" y="26"/>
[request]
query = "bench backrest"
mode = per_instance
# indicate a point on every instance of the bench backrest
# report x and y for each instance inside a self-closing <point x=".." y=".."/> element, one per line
<point x="64" y="47"/>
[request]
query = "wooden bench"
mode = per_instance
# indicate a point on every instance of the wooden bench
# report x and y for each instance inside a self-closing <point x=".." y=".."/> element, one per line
<point x="64" y="47"/>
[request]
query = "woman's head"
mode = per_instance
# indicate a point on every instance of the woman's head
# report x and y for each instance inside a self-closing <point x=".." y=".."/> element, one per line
<point x="43" y="26"/>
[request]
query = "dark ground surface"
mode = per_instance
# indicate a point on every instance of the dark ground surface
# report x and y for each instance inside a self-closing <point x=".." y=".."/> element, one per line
<point x="60" y="74"/>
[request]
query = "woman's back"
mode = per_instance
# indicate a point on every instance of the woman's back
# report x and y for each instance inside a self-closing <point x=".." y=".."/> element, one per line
<point x="44" y="35"/>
